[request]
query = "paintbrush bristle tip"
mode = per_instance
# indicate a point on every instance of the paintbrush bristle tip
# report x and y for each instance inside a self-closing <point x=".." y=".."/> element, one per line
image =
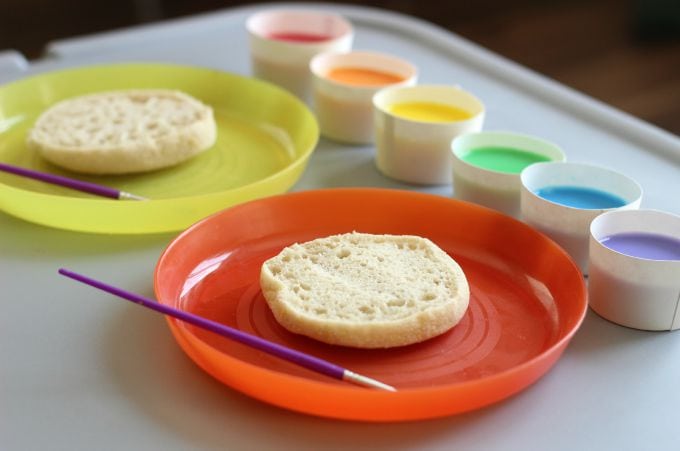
<point x="366" y="381"/>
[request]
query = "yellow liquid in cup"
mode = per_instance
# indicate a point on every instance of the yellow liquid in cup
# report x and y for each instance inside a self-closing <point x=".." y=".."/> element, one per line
<point x="429" y="112"/>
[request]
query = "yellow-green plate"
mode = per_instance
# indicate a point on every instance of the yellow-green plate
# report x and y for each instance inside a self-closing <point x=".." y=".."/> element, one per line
<point x="265" y="139"/>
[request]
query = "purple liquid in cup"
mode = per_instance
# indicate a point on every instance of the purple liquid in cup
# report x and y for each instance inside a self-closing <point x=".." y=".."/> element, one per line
<point x="651" y="246"/>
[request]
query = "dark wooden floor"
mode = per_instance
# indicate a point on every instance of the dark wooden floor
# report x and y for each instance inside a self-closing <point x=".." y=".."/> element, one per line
<point x="626" y="53"/>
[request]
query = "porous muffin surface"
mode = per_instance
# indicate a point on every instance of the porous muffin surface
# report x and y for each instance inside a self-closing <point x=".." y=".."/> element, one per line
<point x="120" y="132"/>
<point x="365" y="290"/>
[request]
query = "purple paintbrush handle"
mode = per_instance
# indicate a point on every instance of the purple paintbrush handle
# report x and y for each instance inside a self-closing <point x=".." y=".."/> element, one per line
<point x="299" y="358"/>
<point x="79" y="185"/>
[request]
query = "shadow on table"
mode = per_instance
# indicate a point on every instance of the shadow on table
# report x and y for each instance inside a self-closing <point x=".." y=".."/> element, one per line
<point x="22" y="238"/>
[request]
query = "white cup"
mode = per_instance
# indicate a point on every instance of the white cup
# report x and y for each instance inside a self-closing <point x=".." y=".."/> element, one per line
<point x="569" y="226"/>
<point x="280" y="55"/>
<point x="636" y="292"/>
<point x="492" y="188"/>
<point x="345" y="111"/>
<point x="417" y="151"/>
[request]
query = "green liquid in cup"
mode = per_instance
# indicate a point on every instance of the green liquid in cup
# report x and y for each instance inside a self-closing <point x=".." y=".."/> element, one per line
<point x="502" y="159"/>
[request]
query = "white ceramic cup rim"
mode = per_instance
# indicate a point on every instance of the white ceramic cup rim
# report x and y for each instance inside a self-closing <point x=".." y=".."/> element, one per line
<point x="259" y="24"/>
<point x="428" y="93"/>
<point x="636" y="221"/>
<point x="620" y="184"/>
<point x="364" y="59"/>
<point x="543" y="147"/>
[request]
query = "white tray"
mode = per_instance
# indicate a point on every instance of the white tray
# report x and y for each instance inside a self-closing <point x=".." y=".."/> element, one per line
<point x="83" y="371"/>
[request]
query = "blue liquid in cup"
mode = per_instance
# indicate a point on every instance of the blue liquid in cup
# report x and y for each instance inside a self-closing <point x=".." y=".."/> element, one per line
<point x="581" y="197"/>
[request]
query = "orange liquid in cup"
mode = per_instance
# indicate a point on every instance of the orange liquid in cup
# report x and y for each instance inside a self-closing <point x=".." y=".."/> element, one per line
<point x="357" y="76"/>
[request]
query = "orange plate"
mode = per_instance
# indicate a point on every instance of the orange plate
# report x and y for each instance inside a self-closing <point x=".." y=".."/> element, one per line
<point x="527" y="300"/>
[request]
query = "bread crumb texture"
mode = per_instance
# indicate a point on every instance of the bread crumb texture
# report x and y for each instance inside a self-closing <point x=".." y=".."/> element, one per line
<point x="126" y="131"/>
<point x="365" y="290"/>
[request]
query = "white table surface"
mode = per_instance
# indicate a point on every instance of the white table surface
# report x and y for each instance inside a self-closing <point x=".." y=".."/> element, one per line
<point x="80" y="370"/>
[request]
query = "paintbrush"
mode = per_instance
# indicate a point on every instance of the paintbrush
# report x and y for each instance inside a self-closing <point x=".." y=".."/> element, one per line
<point x="299" y="358"/>
<point x="79" y="185"/>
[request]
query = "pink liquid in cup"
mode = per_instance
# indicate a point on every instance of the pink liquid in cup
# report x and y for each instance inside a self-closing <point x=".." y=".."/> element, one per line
<point x="299" y="37"/>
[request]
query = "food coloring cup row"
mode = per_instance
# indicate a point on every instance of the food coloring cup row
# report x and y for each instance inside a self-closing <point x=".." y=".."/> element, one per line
<point x="631" y="256"/>
<point x="308" y="53"/>
<point x="431" y="134"/>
